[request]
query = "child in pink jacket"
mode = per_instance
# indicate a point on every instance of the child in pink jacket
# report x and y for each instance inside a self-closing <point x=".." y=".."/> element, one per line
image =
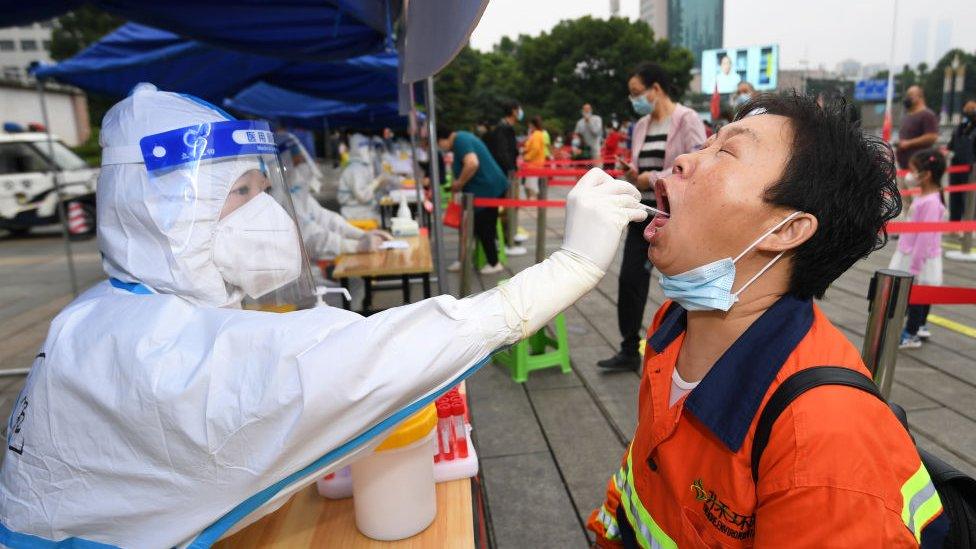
<point x="921" y="253"/>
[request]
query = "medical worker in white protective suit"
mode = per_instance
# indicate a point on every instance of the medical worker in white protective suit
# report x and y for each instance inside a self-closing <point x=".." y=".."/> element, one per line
<point x="326" y="233"/>
<point x="160" y="413"/>
<point x="359" y="181"/>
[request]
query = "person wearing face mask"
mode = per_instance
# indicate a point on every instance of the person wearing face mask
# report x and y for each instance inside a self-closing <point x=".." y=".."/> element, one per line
<point x="743" y="93"/>
<point x="665" y="130"/>
<point x="359" y="181"/>
<point x="169" y="406"/>
<point x="590" y="129"/>
<point x="325" y="233"/>
<point x="919" y="127"/>
<point x="963" y="148"/>
<point x="759" y="226"/>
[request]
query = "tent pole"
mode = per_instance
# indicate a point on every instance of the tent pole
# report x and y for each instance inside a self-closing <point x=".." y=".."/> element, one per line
<point x="417" y="176"/>
<point x="55" y="174"/>
<point x="435" y="183"/>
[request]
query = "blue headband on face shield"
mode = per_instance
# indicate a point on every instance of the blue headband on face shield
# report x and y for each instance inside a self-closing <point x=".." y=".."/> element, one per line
<point x="207" y="141"/>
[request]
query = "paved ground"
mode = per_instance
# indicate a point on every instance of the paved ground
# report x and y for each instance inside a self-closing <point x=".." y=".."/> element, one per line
<point x="549" y="445"/>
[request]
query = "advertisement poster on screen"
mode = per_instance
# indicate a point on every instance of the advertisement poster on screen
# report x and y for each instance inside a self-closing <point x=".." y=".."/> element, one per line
<point x="726" y="67"/>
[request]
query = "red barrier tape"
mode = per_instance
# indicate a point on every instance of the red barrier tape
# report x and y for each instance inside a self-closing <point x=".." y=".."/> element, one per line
<point x="506" y="202"/>
<point x="558" y="172"/>
<point x="942" y="295"/>
<point x="962" y="187"/>
<point x="562" y="182"/>
<point x="955" y="168"/>
<point x="902" y="227"/>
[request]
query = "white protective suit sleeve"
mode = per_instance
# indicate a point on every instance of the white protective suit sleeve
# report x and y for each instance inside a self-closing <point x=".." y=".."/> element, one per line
<point x="326" y="233"/>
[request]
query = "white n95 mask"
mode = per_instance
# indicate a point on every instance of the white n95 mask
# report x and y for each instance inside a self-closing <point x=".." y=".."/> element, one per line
<point x="257" y="247"/>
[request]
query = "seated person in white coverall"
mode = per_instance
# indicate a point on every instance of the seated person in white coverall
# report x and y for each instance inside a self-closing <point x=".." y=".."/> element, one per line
<point x="160" y="413"/>
<point x="326" y="233"/>
<point x="359" y="181"/>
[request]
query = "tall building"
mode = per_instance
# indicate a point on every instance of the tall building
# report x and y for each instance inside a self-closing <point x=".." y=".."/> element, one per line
<point x="849" y="68"/>
<point x="614" y="8"/>
<point x="696" y="24"/>
<point x="23" y="45"/>
<point x="655" y="14"/>
<point x="920" y="42"/>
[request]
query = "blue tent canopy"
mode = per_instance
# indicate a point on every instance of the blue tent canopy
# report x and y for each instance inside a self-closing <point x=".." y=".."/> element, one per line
<point x="136" y="53"/>
<point x="321" y="30"/>
<point x="293" y="108"/>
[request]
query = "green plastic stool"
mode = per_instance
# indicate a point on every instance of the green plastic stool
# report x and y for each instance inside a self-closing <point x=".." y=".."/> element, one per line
<point x="480" y="259"/>
<point x="531" y="354"/>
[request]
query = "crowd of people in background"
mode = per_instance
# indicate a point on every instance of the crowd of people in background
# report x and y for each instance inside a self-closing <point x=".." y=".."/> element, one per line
<point x="485" y="163"/>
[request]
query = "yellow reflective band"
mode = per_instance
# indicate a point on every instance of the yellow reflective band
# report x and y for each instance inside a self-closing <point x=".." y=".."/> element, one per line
<point x="610" y="529"/>
<point x="920" y="502"/>
<point x="649" y="534"/>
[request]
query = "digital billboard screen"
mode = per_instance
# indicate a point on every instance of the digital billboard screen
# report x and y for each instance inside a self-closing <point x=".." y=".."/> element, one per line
<point x="726" y="67"/>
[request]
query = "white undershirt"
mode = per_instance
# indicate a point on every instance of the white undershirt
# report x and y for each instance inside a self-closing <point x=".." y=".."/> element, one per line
<point x="680" y="387"/>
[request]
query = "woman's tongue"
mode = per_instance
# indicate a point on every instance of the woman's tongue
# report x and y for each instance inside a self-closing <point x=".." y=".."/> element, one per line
<point x="654" y="226"/>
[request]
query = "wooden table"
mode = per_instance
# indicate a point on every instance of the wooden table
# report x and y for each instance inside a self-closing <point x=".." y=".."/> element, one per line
<point x="310" y="520"/>
<point x="414" y="261"/>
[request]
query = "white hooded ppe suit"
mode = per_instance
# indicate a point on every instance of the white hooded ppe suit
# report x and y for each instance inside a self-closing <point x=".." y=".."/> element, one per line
<point x="358" y="182"/>
<point x="326" y="233"/>
<point x="159" y="414"/>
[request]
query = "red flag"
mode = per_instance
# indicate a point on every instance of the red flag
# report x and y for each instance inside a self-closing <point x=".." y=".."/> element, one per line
<point x="886" y="128"/>
<point x="716" y="105"/>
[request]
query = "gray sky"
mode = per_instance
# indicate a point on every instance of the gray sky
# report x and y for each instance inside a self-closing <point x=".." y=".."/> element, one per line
<point x="821" y="31"/>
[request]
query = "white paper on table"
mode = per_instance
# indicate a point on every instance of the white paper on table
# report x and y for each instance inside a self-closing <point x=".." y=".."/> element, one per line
<point x="394" y="245"/>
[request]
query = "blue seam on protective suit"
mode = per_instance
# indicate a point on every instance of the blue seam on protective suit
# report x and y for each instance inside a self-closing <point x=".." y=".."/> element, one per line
<point x="16" y="540"/>
<point x="213" y="532"/>
<point x="208" y="104"/>
<point x="133" y="287"/>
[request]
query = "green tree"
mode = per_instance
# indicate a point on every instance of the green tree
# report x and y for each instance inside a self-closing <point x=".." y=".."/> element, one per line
<point x="78" y="29"/>
<point x="934" y="80"/>
<point x="553" y="74"/>
<point x="589" y="60"/>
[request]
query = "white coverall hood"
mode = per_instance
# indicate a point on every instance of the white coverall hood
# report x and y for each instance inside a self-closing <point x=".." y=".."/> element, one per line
<point x="359" y="149"/>
<point x="160" y="233"/>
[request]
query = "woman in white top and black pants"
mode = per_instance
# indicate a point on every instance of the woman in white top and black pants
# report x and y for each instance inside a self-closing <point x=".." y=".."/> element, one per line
<point x="665" y="131"/>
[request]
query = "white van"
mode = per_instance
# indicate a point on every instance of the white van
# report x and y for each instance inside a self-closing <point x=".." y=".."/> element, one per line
<point x="27" y="194"/>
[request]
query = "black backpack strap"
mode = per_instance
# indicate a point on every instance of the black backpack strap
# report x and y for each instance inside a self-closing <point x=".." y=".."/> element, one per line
<point x="793" y="387"/>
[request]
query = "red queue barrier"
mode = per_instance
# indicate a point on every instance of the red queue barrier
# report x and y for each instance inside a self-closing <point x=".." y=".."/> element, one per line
<point x="558" y="172"/>
<point x="955" y="168"/>
<point x="511" y="202"/>
<point x="903" y="227"/>
<point x="942" y="295"/>
<point x="962" y="187"/>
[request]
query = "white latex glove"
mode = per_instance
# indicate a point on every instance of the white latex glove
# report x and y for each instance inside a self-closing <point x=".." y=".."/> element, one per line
<point x="598" y="209"/>
<point x="369" y="243"/>
<point x="381" y="234"/>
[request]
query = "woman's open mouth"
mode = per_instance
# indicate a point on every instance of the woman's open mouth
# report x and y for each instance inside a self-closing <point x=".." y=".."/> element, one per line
<point x="659" y="221"/>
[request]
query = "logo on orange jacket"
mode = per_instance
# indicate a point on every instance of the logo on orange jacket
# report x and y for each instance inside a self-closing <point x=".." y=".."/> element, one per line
<point x="724" y="519"/>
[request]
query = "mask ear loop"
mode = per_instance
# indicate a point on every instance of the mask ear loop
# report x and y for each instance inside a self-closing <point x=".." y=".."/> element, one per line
<point x="735" y="295"/>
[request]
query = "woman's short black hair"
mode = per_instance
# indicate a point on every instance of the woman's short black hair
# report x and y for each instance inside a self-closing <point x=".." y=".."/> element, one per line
<point x="652" y="73"/>
<point x="836" y="172"/>
<point x="537" y="121"/>
<point x="932" y="161"/>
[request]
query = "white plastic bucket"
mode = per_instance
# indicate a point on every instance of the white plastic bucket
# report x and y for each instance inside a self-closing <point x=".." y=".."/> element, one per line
<point x="393" y="489"/>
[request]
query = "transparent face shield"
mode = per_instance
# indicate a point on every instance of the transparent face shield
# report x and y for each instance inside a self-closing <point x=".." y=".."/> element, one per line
<point x="300" y="169"/>
<point x="232" y="214"/>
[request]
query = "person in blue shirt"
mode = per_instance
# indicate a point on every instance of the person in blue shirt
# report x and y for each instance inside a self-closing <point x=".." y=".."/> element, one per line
<point x="476" y="172"/>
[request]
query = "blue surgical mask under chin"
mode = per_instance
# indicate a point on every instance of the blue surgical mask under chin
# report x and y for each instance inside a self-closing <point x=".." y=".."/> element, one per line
<point x="709" y="287"/>
<point x="641" y="105"/>
<point x="520" y="115"/>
